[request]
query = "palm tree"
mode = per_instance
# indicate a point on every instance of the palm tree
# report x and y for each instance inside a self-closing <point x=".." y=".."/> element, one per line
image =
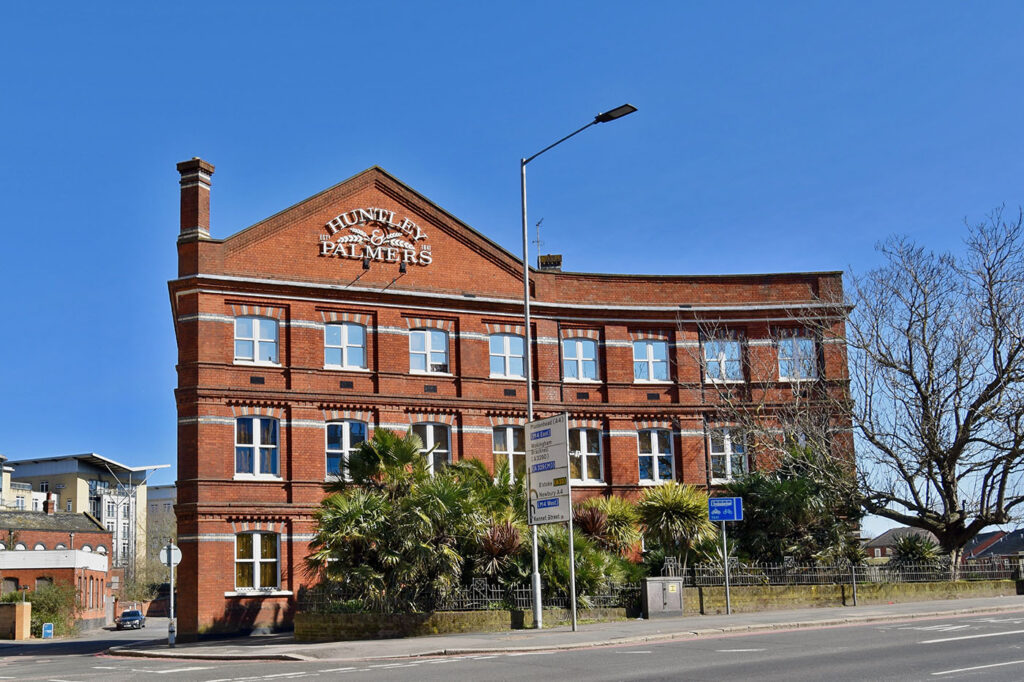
<point x="393" y="535"/>
<point x="388" y="462"/>
<point x="676" y="517"/>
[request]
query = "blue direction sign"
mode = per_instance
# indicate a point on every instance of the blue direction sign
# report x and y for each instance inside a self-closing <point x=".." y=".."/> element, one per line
<point x="47" y="630"/>
<point x="725" y="508"/>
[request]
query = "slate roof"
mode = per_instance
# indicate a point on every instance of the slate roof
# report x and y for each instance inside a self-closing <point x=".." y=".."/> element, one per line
<point x="980" y="540"/>
<point x="58" y="521"/>
<point x="889" y="537"/>
<point x="1008" y="545"/>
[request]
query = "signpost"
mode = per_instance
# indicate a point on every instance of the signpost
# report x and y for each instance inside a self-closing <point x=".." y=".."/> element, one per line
<point x="549" y="493"/>
<point x="170" y="556"/>
<point x="724" y="509"/>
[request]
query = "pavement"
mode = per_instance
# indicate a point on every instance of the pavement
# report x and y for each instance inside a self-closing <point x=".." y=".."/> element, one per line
<point x="283" y="647"/>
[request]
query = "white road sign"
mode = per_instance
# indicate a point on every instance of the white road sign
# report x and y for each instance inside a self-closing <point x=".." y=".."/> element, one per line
<point x="170" y="555"/>
<point x="547" y="466"/>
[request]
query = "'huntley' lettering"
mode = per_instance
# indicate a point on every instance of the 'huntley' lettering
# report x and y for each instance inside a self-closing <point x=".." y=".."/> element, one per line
<point x="383" y="239"/>
<point x="362" y="216"/>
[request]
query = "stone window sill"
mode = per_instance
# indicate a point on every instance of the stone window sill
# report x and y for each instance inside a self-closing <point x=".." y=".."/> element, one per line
<point x="259" y="593"/>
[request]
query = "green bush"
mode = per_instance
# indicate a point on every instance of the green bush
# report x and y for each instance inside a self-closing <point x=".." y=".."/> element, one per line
<point x="55" y="604"/>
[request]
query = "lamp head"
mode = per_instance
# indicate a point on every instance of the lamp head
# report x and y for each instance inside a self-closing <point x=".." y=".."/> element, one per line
<point x="617" y="112"/>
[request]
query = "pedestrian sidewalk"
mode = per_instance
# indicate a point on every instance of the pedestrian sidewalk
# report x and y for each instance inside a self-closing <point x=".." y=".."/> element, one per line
<point x="284" y="646"/>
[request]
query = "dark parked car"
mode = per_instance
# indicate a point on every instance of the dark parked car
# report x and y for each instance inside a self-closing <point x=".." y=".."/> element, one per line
<point x="131" y="619"/>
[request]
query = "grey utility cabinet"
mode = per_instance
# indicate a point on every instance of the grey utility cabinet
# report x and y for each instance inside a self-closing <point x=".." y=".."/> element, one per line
<point x="663" y="597"/>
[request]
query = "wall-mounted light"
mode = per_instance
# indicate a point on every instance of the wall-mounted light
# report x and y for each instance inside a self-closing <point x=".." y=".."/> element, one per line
<point x="401" y="267"/>
<point x="366" y="264"/>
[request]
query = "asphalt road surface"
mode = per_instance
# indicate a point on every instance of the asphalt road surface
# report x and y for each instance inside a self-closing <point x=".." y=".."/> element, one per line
<point x="974" y="647"/>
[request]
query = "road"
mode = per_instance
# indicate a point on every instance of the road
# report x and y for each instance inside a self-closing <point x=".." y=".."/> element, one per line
<point x="975" y="647"/>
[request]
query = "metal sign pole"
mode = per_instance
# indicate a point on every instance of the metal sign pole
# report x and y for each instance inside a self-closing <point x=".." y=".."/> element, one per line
<point x="572" y="564"/>
<point x="172" y="592"/>
<point x="725" y="562"/>
<point x="538" y="612"/>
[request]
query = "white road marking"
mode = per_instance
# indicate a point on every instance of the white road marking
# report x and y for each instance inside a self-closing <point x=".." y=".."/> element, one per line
<point x="178" y="670"/>
<point x="267" y="677"/>
<point x="737" y="651"/>
<point x="635" y="652"/>
<point x="977" y="667"/>
<point x="1015" y="621"/>
<point x="338" y="670"/>
<point x="957" y="639"/>
<point x="393" y="665"/>
<point x="945" y="627"/>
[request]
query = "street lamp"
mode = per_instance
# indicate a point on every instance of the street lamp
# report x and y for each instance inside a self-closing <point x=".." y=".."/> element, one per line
<point x="617" y="112"/>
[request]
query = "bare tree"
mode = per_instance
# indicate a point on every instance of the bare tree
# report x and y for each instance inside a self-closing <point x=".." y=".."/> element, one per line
<point x="773" y="388"/>
<point x="781" y="388"/>
<point x="936" y="352"/>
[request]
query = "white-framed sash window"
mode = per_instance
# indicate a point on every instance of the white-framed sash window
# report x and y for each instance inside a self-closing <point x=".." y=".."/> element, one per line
<point x="585" y="461"/>
<point x="506" y="351"/>
<point x="343" y="438"/>
<point x="344" y="346"/>
<point x="256" y="447"/>
<point x="256" y="561"/>
<point x="428" y="351"/>
<point x="655" y="455"/>
<point x="436" y="440"/>
<point x="256" y="340"/>
<point x="650" y="360"/>
<point x="579" y="359"/>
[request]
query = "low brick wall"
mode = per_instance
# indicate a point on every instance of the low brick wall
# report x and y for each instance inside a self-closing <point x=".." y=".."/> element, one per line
<point x="711" y="600"/>
<point x="318" y="627"/>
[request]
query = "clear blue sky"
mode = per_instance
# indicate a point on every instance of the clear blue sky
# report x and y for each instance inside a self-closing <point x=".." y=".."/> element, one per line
<point x="770" y="137"/>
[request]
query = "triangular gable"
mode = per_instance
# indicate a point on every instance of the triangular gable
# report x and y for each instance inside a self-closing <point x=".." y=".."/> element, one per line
<point x="374" y="220"/>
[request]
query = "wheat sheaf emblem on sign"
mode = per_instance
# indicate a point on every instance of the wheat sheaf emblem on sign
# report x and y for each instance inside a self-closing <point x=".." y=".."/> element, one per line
<point x="378" y="237"/>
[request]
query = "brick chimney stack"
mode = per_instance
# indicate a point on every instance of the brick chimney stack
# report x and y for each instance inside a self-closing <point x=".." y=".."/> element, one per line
<point x="195" y="198"/>
<point x="50" y="505"/>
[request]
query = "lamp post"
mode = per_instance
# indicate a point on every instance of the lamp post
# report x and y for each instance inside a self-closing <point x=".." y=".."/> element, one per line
<point x="617" y="112"/>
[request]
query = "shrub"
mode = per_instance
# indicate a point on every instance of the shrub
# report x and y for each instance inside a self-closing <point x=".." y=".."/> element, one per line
<point x="56" y="603"/>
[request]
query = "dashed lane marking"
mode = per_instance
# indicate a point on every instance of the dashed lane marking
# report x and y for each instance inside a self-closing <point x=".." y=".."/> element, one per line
<point x="179" y="670"/>
<point x="977" y="667"/>
<point x="945" y="627"/>
<point x="957" y="639"/>
<point x="394" y="665"/>
<point x="336" y="670"/>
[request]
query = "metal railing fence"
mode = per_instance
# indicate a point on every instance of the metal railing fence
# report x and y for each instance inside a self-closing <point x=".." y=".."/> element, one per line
<point x="482" y="595"/>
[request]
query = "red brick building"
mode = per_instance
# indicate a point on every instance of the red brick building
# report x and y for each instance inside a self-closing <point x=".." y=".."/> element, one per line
<point x="51" y="547"/>
<point x="367" y="306"/>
